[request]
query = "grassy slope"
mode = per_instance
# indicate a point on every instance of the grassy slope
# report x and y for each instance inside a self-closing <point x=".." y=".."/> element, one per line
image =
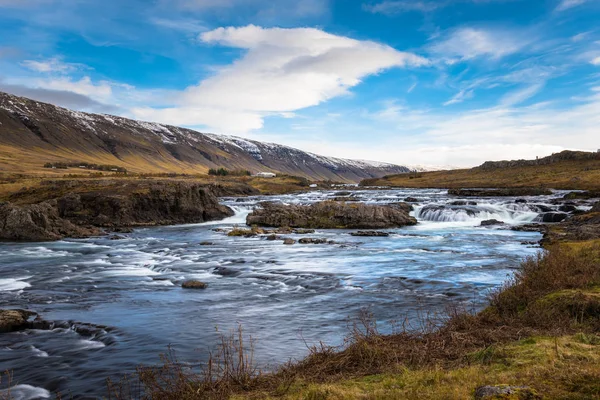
<point x="576" y="174"/>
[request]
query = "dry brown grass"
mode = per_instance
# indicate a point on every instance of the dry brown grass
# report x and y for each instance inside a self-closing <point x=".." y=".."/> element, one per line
<point x="569" y="174"/>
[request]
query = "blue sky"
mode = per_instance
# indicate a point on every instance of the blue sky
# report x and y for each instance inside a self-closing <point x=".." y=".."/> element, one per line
<point x="433" y="82"/>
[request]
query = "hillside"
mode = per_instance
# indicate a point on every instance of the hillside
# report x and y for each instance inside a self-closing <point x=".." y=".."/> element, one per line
<point x="34" y="133"/>
<point x="564" y="170"/>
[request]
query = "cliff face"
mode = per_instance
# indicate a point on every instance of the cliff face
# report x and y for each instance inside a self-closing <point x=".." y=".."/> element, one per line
<point x="33" y="133"/>
<point x="133" y="204"/>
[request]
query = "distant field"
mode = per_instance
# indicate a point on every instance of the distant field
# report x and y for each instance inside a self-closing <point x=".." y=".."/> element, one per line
<point x="568" y="174"/>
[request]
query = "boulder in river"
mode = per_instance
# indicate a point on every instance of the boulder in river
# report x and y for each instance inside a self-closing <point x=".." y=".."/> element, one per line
<point x="313" y="241"/>
<point x="330" y="215"/>
<point x="596" y="207"/>
<point x="193" y="284"/>
<point x="553" y="217"/>
<point x="289" y="241"/>
<point x="411" y="200"/>
<point x="14" y="320"/>
<point x="491" y="222"/>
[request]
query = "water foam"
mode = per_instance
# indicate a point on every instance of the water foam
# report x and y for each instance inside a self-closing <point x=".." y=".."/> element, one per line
<point x="25" y="392"/>
<point x="13" y="284"/>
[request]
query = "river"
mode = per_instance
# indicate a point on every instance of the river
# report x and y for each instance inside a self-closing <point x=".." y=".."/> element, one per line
<point x="284" y="296"/>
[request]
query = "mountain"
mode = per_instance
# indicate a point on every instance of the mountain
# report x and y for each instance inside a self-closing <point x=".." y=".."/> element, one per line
<point x="34" y="133"/>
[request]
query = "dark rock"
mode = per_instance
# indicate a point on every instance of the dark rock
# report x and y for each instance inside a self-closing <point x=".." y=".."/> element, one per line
<point x="289" y="241"/>
<point x="530" y="228"/>
<point x="568" y="208"/>
<point x="521" y="201"/>
<point x="500" y="192"/>
<point x="14" y="320"/>
<point x="192" y="284"/>
<point x="122" y="230"/>
<point x="506" y="392"/>
<point x="38" y="222"/>
<point x="240" y="200"/>
<point x="345" y="199"/>
<point x="541" y="208"/>
<point x="117" y="237"/>
<point x="273" y="237"/>
<point x="491" y="222"/>
<point x="411" y="200"/>
<point x="206" y="243"/>
<point x="592" y="194"/>
<point x="596" y="207"/>
<point x="344" y="193"/>
<point x="463" y="203"/>
<point x="303" y="231"/>
<point x="370" y="233"/>
<point x="223" y="271"/>
<point x="121" y="205"/>
<point x="312" y="241"/>
<point x="553" y="217"/>
<point x="330" y="215"/>
<point x="405" y="207"/>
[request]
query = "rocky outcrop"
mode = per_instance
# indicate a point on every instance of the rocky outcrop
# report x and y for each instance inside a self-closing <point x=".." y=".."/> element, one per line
<point x="81" y="214"/>
<point x="506" y="192"/>
<point x="160" y="204"/>
<point x="37" y="223"/>
<point x="596" y="207"/>
<point x="15" y="320"/>
<point x="330" y="215"/>
<point x="553" y="217"/>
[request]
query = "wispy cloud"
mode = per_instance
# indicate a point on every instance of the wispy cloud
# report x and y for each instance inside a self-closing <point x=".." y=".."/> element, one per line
<point x="466" y="43"/>
<point x="596" y="61"/>
<point x="567" y="4"/>
<point x="52" y="65"/>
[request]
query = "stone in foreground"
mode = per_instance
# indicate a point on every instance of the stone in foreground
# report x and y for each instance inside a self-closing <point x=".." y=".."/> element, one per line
<point x="330" y="215"/>
<point x="506" y="392"/>
<point x="194" y="285"/>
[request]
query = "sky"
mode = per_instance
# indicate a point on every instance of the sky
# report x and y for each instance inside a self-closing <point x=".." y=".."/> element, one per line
<point x="411" y="82"/>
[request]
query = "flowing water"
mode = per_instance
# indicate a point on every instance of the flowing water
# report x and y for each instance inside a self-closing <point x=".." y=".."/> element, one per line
<point x="284" y="296"/>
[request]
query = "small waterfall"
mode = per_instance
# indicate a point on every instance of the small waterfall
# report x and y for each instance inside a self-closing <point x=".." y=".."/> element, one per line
<point x="509" y="213"/>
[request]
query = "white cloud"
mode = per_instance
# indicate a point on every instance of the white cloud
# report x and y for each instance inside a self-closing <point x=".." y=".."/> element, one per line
<point x="183" y="25"/>
<point x="566" y="4"/>
<point x="51" y="65"/>
<point x="467" y="43"/>
<point x="283" y="70"/>
<point x="262" y="9"/>
<point x="101" y="91"/>
<point x="595" y="61"/>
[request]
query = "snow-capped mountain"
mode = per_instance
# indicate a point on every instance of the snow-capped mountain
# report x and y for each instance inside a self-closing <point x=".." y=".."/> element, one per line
<point x="33" y="133"/>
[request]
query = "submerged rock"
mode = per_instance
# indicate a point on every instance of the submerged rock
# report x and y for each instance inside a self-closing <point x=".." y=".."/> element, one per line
<point x="530" y="228"/>
<point x="192" y="284"/>
<point x="289" y="241"/>
<point x="313" y="241"/>
<point x="330" y="215"/>
<point x="370" y="234"/>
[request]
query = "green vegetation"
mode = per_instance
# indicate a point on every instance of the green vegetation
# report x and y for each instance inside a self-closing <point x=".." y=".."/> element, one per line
<point x="225" y="172"/>
<point x="84" y="165"/>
